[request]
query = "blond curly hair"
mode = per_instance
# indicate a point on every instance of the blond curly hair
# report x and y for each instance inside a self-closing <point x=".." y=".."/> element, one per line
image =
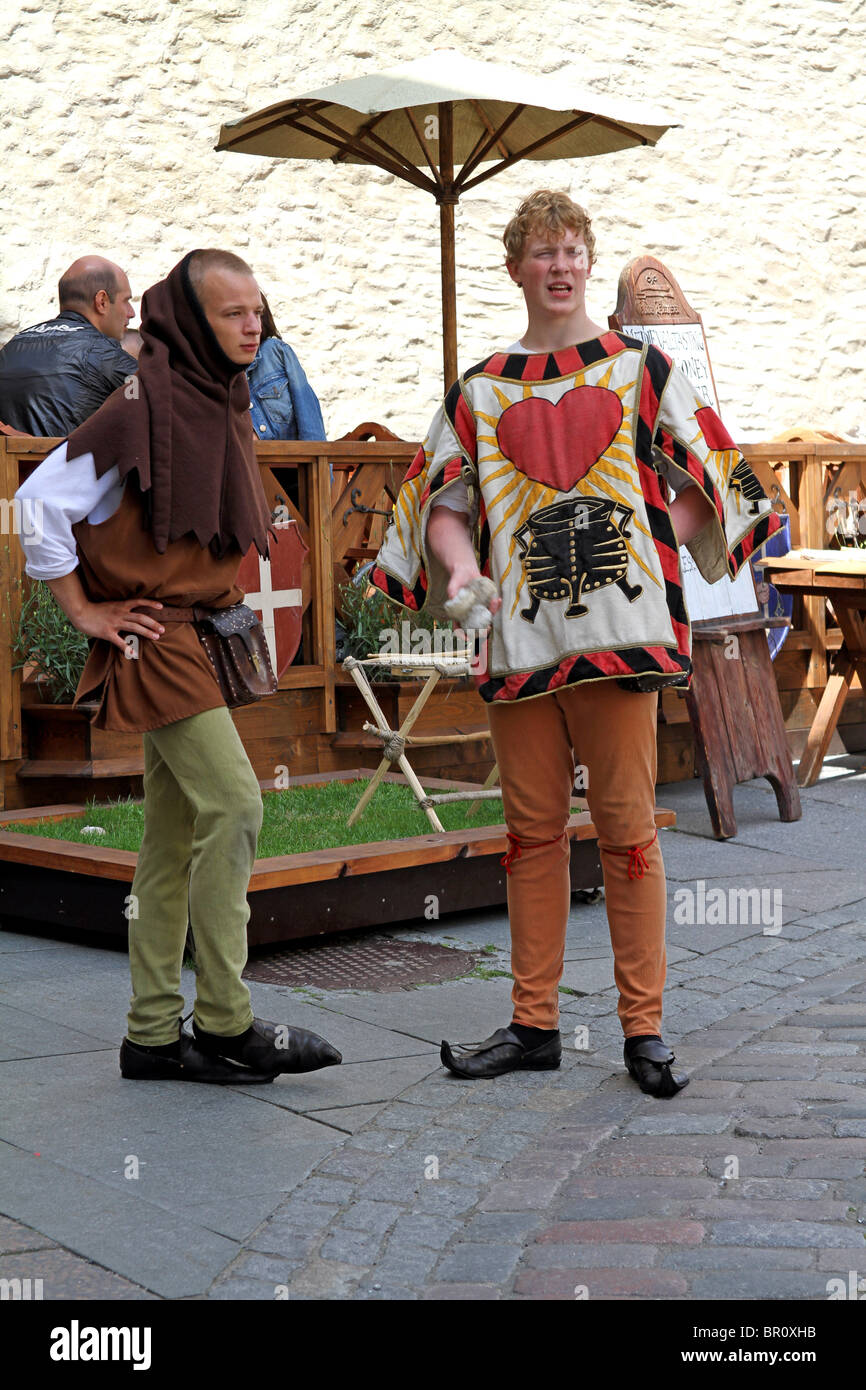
<point x="546" y="210"/>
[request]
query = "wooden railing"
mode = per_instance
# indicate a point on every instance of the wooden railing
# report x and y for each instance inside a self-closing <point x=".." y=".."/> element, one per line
<point x="331" y="480"/>
<point x="811" y="475"/>
<point x="335" y="480"/>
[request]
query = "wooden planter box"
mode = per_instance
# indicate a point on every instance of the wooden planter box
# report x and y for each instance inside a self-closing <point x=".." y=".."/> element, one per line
<point x="83" y="889"/>
<point x="60" y="741"/>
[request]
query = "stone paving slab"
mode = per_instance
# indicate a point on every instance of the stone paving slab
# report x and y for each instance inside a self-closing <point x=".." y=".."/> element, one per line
<point x="353" y="1082"/>
<point x="62" y="962"/>
<point x="349" y="1118"/>
<point x="356" y="1039"/>
<point x="12" y="942"/>
<point x="24" y="1035"/>
<point x="96" y="1007"/>
<point x="208" y="1155"/>
<point x="164" y="1253"/>
<point x="588" y="977"/>
<point x="434" y="1013"/>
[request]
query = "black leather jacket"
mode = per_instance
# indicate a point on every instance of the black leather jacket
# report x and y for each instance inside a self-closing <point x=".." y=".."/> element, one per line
<point x="56" y="374"/>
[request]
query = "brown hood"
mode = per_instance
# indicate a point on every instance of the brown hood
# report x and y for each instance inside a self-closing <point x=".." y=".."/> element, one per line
<point x="183" y="425"/>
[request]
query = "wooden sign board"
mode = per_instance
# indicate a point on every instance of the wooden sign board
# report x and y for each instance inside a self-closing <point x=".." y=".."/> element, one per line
<point x="652" y="307"/>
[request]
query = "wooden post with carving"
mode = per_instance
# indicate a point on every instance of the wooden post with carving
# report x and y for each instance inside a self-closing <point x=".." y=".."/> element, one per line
<point x="733" y="704"/>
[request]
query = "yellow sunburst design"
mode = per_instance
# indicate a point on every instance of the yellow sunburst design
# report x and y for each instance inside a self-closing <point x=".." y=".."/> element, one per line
<point x="723" y="460"/>
<point x="502" y="494"/>
<point x="407" y="507"/>
<point x="531" y="493"/>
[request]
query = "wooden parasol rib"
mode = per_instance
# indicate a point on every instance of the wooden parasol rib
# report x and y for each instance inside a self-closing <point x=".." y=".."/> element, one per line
<point x="494" y="138"/>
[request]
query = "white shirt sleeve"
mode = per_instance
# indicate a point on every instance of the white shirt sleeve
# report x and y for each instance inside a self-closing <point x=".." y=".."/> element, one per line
<point x="455" y="497"/>
<point x="674" y="477"/>
<point x="57" y="495"/>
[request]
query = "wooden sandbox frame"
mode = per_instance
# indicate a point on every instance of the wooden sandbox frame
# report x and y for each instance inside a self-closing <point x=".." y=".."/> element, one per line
<point x="84" y="888"/>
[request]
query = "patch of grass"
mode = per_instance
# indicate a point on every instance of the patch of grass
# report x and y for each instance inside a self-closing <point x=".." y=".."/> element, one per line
<point x="481" y="972"/>
<point x="296" y="821"/>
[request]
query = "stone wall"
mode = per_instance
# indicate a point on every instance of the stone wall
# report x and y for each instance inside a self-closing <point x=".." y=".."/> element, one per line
<point x="110" y="113"/>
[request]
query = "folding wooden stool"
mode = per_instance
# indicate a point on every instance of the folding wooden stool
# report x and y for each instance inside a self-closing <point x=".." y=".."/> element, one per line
<point x="396" y="741"/>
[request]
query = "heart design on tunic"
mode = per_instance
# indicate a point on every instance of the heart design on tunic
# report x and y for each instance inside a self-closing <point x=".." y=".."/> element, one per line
<point x="558" y="444"/>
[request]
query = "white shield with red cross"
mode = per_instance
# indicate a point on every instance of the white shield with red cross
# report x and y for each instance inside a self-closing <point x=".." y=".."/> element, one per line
<point x="272" y="589"/>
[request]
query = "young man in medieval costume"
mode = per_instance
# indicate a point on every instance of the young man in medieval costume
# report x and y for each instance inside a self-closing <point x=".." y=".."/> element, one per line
<point x="146" y="511"/>
<point x="545" y="471"/>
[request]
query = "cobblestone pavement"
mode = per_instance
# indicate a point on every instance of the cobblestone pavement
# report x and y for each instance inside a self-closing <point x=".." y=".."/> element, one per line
<point x="388" y="1179"/>
<point x="749" y="1184"/>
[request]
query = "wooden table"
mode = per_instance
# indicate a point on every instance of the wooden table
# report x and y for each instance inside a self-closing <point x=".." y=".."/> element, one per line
<point x="840" y="578"/>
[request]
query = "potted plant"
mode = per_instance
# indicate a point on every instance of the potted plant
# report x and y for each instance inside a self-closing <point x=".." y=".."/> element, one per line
<point x="52" y="653"/>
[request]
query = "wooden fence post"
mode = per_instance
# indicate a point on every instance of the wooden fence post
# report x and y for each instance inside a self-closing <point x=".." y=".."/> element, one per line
<point x="10" y="603"/>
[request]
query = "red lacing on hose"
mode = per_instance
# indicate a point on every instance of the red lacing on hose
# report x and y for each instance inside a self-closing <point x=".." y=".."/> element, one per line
<point x="514" y="852"/>
<point x="637" y="864"/>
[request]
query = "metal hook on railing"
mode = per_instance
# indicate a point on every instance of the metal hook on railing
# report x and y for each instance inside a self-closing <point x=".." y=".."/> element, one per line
<point x="776" y="502"/>
<point x="280" y="516"/>
<point x="357" y="507"/>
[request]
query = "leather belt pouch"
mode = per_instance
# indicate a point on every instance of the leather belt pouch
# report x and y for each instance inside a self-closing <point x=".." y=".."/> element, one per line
<point x="235" y="643"/>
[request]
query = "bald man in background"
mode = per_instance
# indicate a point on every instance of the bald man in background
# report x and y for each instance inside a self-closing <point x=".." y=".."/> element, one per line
<point x="56" y="374"/>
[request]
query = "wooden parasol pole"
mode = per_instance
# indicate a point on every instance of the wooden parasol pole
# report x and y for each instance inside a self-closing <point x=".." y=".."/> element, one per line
<point x="446" y="199"/>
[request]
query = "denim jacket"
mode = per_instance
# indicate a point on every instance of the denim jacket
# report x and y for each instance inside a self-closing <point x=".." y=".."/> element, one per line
<point x="283" y="404"/>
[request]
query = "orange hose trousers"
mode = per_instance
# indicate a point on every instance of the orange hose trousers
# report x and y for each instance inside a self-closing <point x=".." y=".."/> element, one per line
<point x="611" y="732"/>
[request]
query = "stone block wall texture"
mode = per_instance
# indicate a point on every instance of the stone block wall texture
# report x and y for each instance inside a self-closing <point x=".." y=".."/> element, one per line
<point x="757" y="203"/>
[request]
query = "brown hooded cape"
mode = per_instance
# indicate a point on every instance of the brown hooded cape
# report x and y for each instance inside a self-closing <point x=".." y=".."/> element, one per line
<point x="183" y="425"/>
<point x="192" y="506"/>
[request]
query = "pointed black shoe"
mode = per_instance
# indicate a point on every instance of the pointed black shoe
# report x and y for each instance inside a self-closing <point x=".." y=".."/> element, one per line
<point x="649" y="1062"/>
<point x="270" y="1048"/>
<point x="501" y="1052"/>
<point x="139" y="1064"/>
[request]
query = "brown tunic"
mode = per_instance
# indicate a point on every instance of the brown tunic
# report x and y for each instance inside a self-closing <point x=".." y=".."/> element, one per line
<point x="171" y="678"/>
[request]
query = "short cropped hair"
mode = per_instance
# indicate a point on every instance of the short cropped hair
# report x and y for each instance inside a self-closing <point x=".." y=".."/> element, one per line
<point x="547" y="211"/>
<point x="200" y="262"/>
<point x="83" y="289"/>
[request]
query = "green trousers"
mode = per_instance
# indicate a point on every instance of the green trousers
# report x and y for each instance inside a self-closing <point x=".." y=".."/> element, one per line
<point x="202" y="816"/>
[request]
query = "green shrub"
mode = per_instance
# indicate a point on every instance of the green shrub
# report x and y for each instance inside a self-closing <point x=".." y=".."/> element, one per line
<point x="367" y="614"/>
<point x="46" y="638"/>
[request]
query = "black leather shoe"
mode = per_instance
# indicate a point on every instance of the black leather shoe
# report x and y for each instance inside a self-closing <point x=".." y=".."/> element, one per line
<point x="650" y="1065"/>
<point x="501" y="1052"/>
<point x="269" y="1047"/>
<point x="138" y="1064"/>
